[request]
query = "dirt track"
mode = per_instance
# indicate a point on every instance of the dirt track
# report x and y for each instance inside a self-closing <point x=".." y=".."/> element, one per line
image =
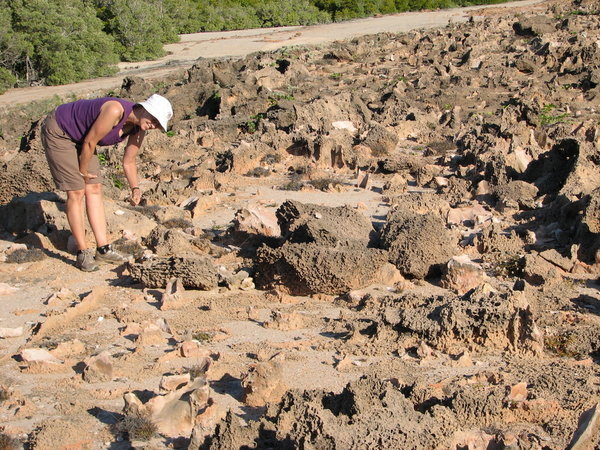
<point x="243" y="42"/>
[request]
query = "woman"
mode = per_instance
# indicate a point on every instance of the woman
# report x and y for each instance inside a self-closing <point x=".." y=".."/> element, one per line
<point x="70" y="135"/>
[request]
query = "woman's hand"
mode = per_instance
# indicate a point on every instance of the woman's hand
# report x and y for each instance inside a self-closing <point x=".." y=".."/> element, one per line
<point x="136" y="196"/>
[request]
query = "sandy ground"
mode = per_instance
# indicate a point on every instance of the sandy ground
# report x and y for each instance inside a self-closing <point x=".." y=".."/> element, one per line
<point x="60" y="409"/>
<point x="240" y="43"/>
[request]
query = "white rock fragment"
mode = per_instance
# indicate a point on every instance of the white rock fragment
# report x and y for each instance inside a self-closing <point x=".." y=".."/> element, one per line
<point x="344" y="125"/>
<point x="6" y="289"/>
<point x="11" y="332"/>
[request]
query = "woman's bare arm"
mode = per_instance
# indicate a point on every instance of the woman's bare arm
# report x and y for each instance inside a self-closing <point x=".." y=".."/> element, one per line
<point x="110" y="115"/>
<point x="129" y="164"/>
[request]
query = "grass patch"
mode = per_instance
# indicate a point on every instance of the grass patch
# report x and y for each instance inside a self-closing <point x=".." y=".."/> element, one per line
<point x="293" y="185"/>
<point x="511" y="267"/>
<point x="137" y="427"/>
<point x="102" y="159"/>
<point x="21" y="256"/>
<point x="324" y="184"/>
<point x="177" y="223"/>
<point x="259" y="172"/>
<point x="277" y="96"/>
<point x="549" y="117"/>
<point x="9" y="443"/>
<point x="562" y="345"/>
<point x="250" y="126"/>
<point x="202" y="336"/>
<point x="271" y="158"/>
<point x="116" y="181"/>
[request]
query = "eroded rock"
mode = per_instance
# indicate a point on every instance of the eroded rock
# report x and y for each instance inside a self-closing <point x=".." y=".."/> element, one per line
<point x="194" y="272"/>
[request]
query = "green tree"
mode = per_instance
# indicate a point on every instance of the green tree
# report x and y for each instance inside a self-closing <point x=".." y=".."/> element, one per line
<point x="387" y="7"/>
<point x="14" y="48"/>
<point x="402" y="5"/>
<point x="187" y="16"/>
<point x="140" y="27"/>
<point x="416" y="5"/>
<point x="7" y="80"/>
<point x="67" y="40"/>
<point x="289" y="12"/>
<point x="229" y="16"/>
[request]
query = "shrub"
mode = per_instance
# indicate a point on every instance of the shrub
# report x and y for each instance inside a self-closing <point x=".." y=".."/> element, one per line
<point x="140" y="27"/>
<point x="9" y="443"/>
<point x="7" y="80"/>
<point x="66" y="38"/>
<point x="289" y="12"/>
<point x="138" y="427"/>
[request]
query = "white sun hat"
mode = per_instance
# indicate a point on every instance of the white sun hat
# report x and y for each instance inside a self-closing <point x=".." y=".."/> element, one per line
<point x="160" y="108"/>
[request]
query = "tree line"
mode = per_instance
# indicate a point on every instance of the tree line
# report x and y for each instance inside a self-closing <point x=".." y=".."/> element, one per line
<point x="63" y="41"/>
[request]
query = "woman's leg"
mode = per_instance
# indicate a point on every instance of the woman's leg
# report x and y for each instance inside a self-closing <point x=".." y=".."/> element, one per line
<point x="95" y="211"/>
<point x="75" y="217"/>
<point x="94" y="203"/>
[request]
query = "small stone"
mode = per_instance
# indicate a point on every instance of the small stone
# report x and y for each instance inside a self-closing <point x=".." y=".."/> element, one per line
<point x="257" y="220"/>
<point x="192" y="349"/>
<point x="60" y="297"/>
<point x="440" y="181"/>
<point x="264" y="383"/>
<point x="98" y="368"/>
<point x="483" y="188"/>
<point x="151" y="334"/>
<point x="172" y="298"/>
<point x="461" y="275"/>
<point x="173" y="382"/>
<point x="363" y="183"/>
<point x="285" y="321"/>
<point x="69" y="348"/>
<point x="518" y="393"/>
<point x="41" y="361"/>
<point x="389" y="275"/>
<point x="344" y="125"/>
<point x="344" y="364"/>
<point x="424" y="351"/>
<point x="247" y="284"/>
<point x="463" y="360"/>
<point x="587" y="426"/>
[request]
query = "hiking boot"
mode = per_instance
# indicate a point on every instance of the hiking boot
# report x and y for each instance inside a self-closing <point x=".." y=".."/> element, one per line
<point x="85" y="261"/>
<point x="111" y="256"/>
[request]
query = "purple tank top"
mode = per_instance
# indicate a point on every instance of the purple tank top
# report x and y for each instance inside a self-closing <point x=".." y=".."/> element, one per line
<point x="76" y="119"/>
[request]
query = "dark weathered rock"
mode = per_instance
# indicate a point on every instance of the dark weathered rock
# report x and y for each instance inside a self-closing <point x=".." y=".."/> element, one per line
<point x="486" y="319"/>
<point x="167" y="242"/>
<point x="310" y="268"/>
<point x="534" y="26"/>
<point x="194" y="272"/>
<point x="516" y="194"/>
<point x="418" y="244"/>
<point x="324" y="225"/>
<point x="380" y="140"/>
<point x="35" y="210"/>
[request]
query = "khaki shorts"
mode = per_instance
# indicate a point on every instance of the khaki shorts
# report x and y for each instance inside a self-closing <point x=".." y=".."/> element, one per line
<point x="62" y="154"/>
